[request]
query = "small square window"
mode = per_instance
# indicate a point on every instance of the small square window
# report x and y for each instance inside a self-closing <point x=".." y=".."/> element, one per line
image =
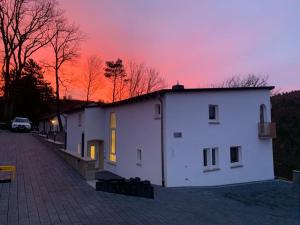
<point x="235" y="155"/>
<point x="213" y="112"/>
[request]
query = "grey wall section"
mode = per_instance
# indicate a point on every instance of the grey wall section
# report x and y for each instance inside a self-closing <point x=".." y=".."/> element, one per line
<point x="94" y="125"/>
<point x="74" y="131"/>
<point x="238" y="119"/>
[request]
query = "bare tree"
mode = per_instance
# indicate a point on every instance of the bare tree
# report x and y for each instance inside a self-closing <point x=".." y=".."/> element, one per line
<point x="116" y="73"/>
<point x="135" y="81"/>
<point x="248" y="81"/>
<point x="25" y="26"/>
<point x="143" y="79"/>
<point x="65" y="45"/>
<point x="92" y="75"/>
<point x="154" y="81"/>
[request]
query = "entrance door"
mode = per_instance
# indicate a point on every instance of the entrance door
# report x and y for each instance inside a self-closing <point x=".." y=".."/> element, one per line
<point x="95" y="152"/>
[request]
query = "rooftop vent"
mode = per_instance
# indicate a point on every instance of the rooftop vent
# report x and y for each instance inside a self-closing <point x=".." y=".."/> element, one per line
<point x="178" y="86"/>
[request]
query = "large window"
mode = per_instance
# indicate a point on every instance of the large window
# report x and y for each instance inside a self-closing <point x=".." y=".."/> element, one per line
<point x="213" y="113"/>
<point x="235" y="155"/>
<point x="210" y="158"/>
<point x="112" y="149"/>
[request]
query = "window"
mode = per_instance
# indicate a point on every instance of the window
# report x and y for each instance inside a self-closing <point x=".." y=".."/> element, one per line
<point x="262" y="113"/>
<point x="157" y="111"/>
<point x="139" y="156"/>
<point x="235" y="155"/>
<point x="213" y="157"/>
<point x="205" y="156"/>
<point x="213" y="111"/>
<point x="112" y="149"/>
<point x="210" y="158"/>
<point x="92" y="152"/>
<point x="79" y="119"/>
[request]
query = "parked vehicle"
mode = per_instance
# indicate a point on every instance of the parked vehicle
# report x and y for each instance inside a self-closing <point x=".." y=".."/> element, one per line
<point x="21" y="124"/>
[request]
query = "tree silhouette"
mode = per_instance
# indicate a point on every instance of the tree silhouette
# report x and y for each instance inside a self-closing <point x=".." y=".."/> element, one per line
<point x="115" y="72"/>
<point x="92" y="75"/>
<point x="65" y="45"/>
<point x="142" y="79"/>
<point x="32" y="94"/>
<point x="25" y="28"/>
<point x="251" y="80"/>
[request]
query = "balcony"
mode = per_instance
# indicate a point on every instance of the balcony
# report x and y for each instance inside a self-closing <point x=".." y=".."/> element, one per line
<point x="266" y="130"/>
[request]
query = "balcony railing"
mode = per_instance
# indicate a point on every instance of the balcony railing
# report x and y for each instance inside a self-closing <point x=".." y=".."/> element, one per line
<point x="266" y="130"/>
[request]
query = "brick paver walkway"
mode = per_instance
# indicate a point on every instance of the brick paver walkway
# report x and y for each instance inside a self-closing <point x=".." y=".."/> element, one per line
<point x="48" y="191"/>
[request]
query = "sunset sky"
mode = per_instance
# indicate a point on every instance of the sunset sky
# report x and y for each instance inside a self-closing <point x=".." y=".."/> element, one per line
<point x="196" y="42"/>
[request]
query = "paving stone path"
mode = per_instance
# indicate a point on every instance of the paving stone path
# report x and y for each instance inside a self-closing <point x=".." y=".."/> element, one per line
<point x="48" y="191"/>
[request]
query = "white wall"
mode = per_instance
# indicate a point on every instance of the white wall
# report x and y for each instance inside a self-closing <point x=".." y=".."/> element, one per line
<point x="136" y="129"/>
<point x="74" y="131"/>
<point x="94" y="125"/>
<point x="239" y="116"/>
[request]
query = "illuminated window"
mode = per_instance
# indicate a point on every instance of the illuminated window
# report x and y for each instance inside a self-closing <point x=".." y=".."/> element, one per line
<point x="92" y="152"/>
<point x="112" y="150"/>
<point x="210" y="158"/>
<point x="213" y="113"/>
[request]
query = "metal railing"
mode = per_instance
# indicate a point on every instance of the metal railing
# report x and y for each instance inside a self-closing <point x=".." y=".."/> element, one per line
<point x="267" y="130"/>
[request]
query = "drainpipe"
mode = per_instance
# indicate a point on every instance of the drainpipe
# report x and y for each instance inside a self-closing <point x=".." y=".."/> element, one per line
<point x="82" y="145"/>
<point x="65" y="129"/>
<point x="162" y="142"/>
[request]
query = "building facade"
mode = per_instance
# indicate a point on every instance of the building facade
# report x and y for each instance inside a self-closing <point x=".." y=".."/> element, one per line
<point x="180" y="137"/>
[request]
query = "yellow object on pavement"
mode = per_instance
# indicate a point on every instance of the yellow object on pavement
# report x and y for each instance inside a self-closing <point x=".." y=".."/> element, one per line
<point x="11" y="169"/>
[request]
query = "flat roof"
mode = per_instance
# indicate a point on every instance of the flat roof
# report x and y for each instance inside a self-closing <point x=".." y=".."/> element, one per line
<point x="162" y="92"/>
<point x="188" y="90"/>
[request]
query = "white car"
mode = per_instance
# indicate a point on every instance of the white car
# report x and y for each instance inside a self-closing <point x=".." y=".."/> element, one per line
<point x="20" y="124"/>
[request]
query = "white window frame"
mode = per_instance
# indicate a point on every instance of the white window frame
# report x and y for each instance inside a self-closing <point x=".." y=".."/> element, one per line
<point x="239" y="163"/>
<point x="209" y="159"/>
<point x="216" y="120"/>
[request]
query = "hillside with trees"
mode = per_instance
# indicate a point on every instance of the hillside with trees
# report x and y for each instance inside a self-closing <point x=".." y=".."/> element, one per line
<point x="286" y="113"/>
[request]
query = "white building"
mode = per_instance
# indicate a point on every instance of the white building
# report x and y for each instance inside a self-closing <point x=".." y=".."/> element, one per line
<point x="49" y="123"/>
<point x="180" y="137"/>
